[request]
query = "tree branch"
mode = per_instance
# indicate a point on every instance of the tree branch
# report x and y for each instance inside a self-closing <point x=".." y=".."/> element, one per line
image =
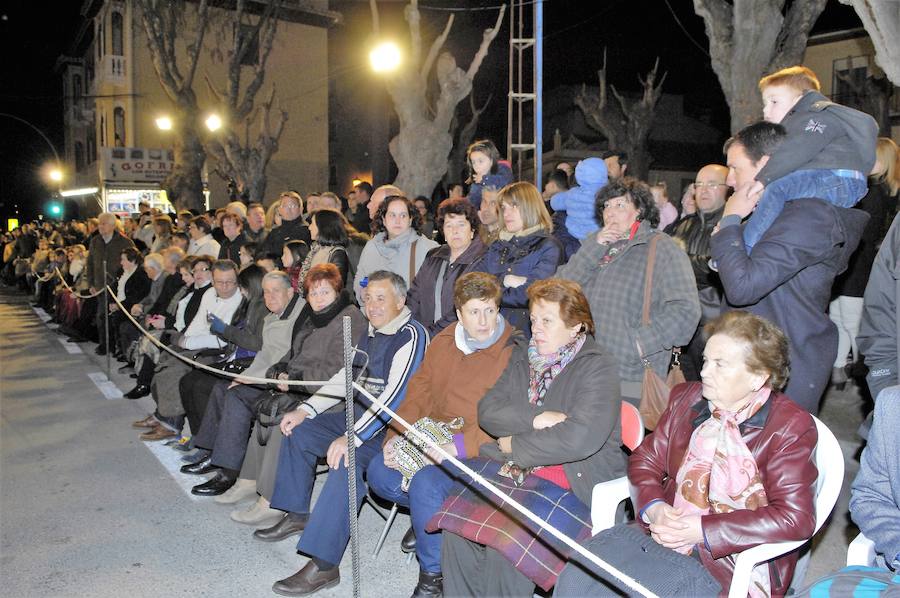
<point x="414" y="19"/>
<point x="194" y="56"/>
<point x="436" y="46"/>
<point x="486" y="40"/>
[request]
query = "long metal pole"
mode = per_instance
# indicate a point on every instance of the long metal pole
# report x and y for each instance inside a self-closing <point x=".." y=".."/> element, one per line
<point x="106" y="316"/>
<point x="351" y="454"/>
<point x="38" y="131"/>
<point x="538" y="93"/>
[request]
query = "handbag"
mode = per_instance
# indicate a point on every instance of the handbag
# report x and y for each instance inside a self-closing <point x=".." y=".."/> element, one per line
<point x="409" y="451"/>
<point x="655" y="390"/>
<point x="270" y="410"/>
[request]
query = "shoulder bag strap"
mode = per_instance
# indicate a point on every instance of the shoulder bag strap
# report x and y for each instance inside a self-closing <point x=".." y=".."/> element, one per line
<point x="648" y="291"/>
<point x="412" y="261"/>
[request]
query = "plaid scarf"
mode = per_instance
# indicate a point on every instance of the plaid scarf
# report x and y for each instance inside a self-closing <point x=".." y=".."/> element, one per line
<point x="544" y="368"/>
<point x="720" y="475"/>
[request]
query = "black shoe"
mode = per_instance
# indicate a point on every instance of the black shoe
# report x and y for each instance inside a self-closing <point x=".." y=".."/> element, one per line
<point x="431" y="585"/>
<point x="217" y="485"/>
<point x="141" y="390"/>
<point x="126" y="368"/>
<point x="408" y="543"/>
<point x="289" y="525"/>
<point x="307" y="580"/>
<point x="200" y="467"/>
<point x="100" y="350"/>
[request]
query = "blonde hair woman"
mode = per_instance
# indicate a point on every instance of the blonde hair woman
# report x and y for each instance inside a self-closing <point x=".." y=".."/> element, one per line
<point x="524" y="252"/>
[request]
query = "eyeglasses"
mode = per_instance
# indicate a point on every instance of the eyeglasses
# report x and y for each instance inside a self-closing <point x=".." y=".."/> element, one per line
<point x="320" y="293"/>
<point x="708" y="185"/>
<point x="224" y="283"/>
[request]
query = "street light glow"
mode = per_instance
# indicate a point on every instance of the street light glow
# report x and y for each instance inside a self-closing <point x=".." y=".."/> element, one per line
<point x="164" y="123"/>
<point x="385" y="57"/>
<point x="56" y="175"/>
<point x="213" y="122"/>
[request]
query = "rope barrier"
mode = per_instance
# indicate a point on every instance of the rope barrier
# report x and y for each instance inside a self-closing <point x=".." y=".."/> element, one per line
<point x="71" y="290"/>
<point x="505" y="498"/>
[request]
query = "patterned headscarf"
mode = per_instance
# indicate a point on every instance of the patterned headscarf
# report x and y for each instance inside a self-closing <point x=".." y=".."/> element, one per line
<point x="719" y="474"/>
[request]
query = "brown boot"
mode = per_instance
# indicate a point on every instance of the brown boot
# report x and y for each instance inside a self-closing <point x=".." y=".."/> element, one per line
<point x="148" y="422"/>
<point x="307" y="580"/>
<point x="158" y="433"/>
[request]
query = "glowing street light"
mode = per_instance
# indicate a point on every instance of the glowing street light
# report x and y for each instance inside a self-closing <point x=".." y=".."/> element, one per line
<point x="164" y="123"/>
<point x="56" y="175"/>
<point x="213" y="122"/>
<point x="385" y="57"/>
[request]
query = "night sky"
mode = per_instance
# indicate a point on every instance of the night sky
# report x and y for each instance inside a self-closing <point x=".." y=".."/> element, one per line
<point x="35" y="33"/>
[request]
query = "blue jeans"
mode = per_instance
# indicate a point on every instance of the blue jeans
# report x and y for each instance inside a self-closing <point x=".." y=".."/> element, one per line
<point x="841" y="188"/>
<point x="427" y="491"/>
<point x="328" y="529"/>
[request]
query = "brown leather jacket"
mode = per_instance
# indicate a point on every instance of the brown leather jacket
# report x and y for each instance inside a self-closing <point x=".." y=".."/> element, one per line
<point x="782" y="438"/>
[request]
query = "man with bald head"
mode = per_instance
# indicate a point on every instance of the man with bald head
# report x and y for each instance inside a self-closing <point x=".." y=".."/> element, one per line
<point x="378" y="197"/>
<point x="694" y="231"/>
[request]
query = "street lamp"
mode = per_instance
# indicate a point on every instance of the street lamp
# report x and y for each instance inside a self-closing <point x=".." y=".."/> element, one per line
<point x="385" y="57"/>
<point x="213" y="122"/>
<point x="56" y="175"/>
<point x="164" y="123"/>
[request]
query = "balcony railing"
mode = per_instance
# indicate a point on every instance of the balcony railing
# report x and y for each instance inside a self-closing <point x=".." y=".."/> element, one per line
<point x="112" y="70"/>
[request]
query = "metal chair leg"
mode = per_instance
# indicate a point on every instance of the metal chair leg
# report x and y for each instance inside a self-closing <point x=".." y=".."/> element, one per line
<point x="387" y="527"/>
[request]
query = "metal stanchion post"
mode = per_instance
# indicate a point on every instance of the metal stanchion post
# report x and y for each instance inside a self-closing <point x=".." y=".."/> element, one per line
<point x="351" y="453"/>
<point x="106" y="315"/>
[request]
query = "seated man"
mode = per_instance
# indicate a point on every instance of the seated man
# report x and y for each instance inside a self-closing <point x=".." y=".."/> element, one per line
<point x="157" y="274"/>
<point x="285" y="307"/>
<point x="875" y="494"/>
<point x="395" y="345"/>
<point x="221" y="301"/>
<point x="462" y="363"/>
<point x="787" y="279"/>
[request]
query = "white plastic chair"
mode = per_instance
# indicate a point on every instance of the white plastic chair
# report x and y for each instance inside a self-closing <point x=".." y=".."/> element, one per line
<point x="606" y="496"/>
<point x="861" y="552"/>
<point x="830" y="463"/>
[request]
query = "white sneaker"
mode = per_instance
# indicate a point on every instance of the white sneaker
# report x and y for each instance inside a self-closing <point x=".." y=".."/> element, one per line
<point x="259" y="514"/>
<point x="242" y="490"/>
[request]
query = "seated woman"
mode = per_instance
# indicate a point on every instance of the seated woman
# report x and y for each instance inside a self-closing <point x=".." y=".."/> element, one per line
<point x="461" y="364"/>
<point x="555" y="414"/>
<point x="525" y="250"/>
<point x="729" y="466"/>
<point x="431" y="295"/>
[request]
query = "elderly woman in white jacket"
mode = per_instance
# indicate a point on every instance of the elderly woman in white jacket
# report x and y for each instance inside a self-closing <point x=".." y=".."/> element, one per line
<point x="398" y="245"/>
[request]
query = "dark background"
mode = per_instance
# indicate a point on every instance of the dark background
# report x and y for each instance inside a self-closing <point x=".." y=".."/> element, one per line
<point x="634" y="32"/>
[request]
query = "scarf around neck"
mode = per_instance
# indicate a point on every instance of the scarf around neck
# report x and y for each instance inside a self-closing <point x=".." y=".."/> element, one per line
<point x="544" y="368"/>
<point x="506" y="236"/>
<point x="719" y="473"/>
<point x="469" y="345"/>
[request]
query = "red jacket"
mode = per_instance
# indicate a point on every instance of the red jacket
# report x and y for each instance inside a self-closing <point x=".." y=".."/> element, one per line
<point x="782" y="438"/>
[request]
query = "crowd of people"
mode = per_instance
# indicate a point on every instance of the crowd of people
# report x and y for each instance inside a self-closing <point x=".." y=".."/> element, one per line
<point x="508" y="324"/>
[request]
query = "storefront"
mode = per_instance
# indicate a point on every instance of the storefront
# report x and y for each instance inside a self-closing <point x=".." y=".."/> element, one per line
<point x="130" y="175"/>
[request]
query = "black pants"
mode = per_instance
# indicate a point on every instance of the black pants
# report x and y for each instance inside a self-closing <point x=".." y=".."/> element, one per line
<point x="471" y="569"/>
<point x="195" y="389"/>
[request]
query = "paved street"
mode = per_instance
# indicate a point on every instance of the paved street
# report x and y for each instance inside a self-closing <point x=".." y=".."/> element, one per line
<point x="87" y="509"/>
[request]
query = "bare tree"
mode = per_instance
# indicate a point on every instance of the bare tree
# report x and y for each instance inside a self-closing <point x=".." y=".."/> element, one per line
<point x="421" y="147"/>
<point x="626" y="125"/>
<point x="881" y="18"/>
<point x="239" y="159"/>
<point x="464" y="135"/>
<point x="751" y="38"/>
<point x="164" y="24"/>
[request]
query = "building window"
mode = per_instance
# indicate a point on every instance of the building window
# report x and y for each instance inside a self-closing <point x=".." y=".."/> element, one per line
<point x="76" y="87"/>
<point x="92" y="144"/>
<point x="249" y="36"/>
<point x="101" y="41"/>
<point x="119" y="126"/>
<point x="102" y="131"/>
<point x="79" y="156"/>
<point x="849" y="80"/>
<point x="118" y="45"/>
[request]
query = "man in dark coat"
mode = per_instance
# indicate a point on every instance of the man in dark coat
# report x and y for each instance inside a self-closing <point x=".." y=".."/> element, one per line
<point x="104" y="251"/>
<point x="788" y="275"/>
<point x="292" y="226"/>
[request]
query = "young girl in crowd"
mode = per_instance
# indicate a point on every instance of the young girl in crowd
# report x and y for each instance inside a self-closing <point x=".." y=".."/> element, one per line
<point x="486" y="169"/>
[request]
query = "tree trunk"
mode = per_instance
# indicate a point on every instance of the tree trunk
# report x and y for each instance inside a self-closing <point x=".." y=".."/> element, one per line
<point x="184" y="185"/>
<point x="420" y="166"/>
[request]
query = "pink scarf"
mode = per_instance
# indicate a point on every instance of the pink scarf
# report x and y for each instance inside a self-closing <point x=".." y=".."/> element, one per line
<point x="720" y="475"/>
